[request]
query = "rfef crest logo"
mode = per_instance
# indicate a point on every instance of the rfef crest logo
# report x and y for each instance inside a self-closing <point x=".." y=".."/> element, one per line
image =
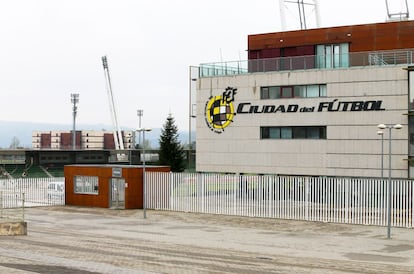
<point x="219" y="111"/>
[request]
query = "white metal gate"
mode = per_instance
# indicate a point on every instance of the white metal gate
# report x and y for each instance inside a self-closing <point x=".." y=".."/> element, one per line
<point x="339" y="200"/>
<point x="37" y="191"/>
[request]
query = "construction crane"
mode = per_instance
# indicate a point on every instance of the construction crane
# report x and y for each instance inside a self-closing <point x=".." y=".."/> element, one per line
<point x="118" y="140"/>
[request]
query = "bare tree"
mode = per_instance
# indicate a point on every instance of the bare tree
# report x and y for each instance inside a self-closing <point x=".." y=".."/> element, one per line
<point x="15" y="143"/>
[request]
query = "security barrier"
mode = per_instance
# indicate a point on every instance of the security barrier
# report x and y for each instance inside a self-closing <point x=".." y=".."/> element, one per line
<point x="325" y="199"/>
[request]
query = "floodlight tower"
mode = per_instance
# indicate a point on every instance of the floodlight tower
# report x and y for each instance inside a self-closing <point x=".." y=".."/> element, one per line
<point x="140" y="113"/>
<point x="74" y="98"/>
<point x="119" y="143"/>
<point x="304" y="8"/>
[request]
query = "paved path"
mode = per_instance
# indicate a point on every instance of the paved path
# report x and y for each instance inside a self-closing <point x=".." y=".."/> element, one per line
<point x="85" y="240"/>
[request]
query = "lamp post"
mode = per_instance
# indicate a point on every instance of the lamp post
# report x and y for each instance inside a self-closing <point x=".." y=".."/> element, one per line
<point x="380" y="132"/>
<point x="74" y="98"/>
<point x="190" y="113"/>
<point x="389" y="189"/>
<point x="143" y="130"/>
<point x="140" y="113"/>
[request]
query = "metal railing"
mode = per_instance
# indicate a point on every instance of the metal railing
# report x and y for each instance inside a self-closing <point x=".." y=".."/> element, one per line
<point x="338" y="200"/>
<point x="35" y="191"/>
<point x="355" y="59"/>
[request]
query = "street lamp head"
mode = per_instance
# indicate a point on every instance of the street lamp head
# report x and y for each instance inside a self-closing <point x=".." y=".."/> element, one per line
<point x="380" y="132"/>
<point x="397" y="126"/>
<point x="382" y="126"/>
<point x="74" y="98"/>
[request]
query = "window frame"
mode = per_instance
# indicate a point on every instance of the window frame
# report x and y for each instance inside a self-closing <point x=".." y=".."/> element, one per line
<point x="266" y="91"/>
<point x="86" y="184"/>
<point x="292" y="132"/>
<point x="332" y="55"/>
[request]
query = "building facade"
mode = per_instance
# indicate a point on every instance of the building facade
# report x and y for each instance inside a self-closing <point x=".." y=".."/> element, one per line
<point x="85" y="140"/>
<point x="309" y="102"/>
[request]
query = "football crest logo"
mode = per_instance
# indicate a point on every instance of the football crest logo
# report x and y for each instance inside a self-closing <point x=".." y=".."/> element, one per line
<point x="219" y="110"/>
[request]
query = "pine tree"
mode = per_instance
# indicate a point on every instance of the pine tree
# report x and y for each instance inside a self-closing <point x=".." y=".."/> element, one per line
<point x="171" y="151"/>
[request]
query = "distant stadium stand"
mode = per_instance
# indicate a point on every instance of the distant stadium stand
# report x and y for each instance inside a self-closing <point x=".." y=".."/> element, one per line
<point x="15" y="170"/>
<point x="36" y="172"/>
<point x="55" y="171"/>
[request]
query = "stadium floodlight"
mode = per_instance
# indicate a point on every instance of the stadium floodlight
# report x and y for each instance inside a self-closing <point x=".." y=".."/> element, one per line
<point x="74" y="98"/>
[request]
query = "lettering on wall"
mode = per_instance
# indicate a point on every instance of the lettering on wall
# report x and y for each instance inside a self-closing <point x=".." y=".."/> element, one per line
<point x="220" y="110"/>
<point x="331" y="106"/>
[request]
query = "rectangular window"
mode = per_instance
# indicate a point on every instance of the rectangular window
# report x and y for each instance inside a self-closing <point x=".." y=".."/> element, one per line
<point x="322" y="90"/>
<point x="264" y="93"/>
<point x="315" y="133"/>
<point x="274" y="133"/>
<point x="332" y="56"/>
<point x="274" y="92"/>
<point x="305" y="132"/>
<point x="287" y="92"/>
<point x="86" y="184"/>
<point x="312" y="91"/>
<point x="299" y="133"/>
<point x="264" y="133"/>
<point x="300" y="91"/>
<point x="411" y="134"/>
<point x="286" y="133"/>
<point x="411" y="88"/>
<point x="344" y="55"/>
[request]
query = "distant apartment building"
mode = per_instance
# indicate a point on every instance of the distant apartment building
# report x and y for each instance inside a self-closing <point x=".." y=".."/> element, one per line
<point x="85" y="140"/>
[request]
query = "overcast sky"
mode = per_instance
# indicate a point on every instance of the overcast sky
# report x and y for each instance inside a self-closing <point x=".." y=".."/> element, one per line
<point x="51" y="48"/>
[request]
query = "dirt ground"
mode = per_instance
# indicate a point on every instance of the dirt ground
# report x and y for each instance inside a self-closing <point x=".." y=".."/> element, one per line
<point x="93" y="240"/>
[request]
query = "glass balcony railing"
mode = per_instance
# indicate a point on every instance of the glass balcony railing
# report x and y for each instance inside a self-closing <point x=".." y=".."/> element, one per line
<point x="358" y="59"/>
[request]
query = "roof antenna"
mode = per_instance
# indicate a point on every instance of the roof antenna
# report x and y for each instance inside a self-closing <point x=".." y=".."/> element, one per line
<point x="397" y="16"/>
<point x="305" y="8"/>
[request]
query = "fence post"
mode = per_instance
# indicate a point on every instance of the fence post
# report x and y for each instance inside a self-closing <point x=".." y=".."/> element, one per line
<point x="23" y="198"/>
<point x="412" y="204"/>
<point x="200" y="177"/>
<point x="172" y="191"/>
<point x="188" y="200"/>
<point x="1" y="204"/>
<point x="346" y="190"/>
<point x="235" y="191"/>
<point x="307" y="198"/>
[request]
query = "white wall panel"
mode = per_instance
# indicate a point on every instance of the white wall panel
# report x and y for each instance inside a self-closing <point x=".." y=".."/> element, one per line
<point x="352" y="147"/>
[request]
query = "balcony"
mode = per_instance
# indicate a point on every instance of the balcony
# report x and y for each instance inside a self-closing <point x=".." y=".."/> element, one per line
<point x="358" y="59"/>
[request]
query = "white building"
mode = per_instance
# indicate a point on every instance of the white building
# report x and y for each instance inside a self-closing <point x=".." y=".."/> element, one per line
<point x="309" y="102"/>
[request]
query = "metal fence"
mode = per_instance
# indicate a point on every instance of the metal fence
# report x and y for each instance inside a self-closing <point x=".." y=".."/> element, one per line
<point x="338" y="200"/>
<point x="30" y="192"/>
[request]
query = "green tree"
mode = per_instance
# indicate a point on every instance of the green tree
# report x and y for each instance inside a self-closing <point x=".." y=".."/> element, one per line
<point x="171" y="151"/>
